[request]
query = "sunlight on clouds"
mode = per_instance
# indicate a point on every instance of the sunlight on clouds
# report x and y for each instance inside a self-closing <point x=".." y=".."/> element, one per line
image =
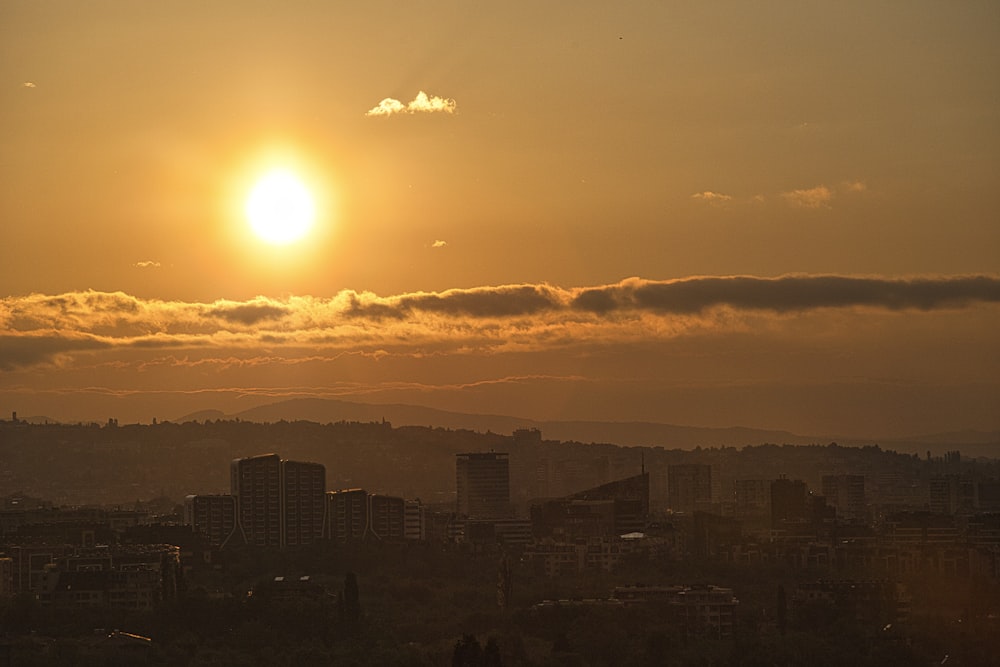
<point x="712" y="197"/>
<point x="817" y="197"/>
<point x="422" y="103"/>
<point x="39" y="329"/>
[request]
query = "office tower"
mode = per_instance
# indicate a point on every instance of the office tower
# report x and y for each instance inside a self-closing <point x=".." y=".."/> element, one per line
<point x="214" y="516"/>
<point x="278" y="503"/>
<point x="303" y="494"/>
<point x="846" y="493"/>
<point x="482" y="484"/>
<point x="689" y="487"/>
<point x="347" y="512"/>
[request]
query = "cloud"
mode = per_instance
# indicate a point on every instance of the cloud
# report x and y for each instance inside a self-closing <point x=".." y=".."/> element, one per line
<point x="40" y="329"/>
<point x="711" y="197"/>
<point x="422" y="103"/>
<point x="439" y="244"/>
<point x="817" y="197"/>
<point x="29" y="84"/>
<point x="789" y="293"/>
<point x="148" y="264"/>
<point x="853" y="186"/>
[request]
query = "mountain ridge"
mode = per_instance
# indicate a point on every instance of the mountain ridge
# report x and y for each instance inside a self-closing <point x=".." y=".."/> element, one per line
<point x="624" y="433"/>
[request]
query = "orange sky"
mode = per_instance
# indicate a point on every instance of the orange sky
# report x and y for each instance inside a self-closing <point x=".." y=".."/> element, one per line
<point x="516" y="203"/>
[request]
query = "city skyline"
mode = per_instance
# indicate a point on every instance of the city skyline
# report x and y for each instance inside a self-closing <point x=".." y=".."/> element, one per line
<point x="714" y="215"/>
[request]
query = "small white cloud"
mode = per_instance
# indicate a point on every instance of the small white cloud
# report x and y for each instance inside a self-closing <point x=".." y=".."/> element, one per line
<point x="758" y="199"/>
<point x="712" y="197"/>
<point x="422" y="103"/>
<point x="854" y="186"/>
<point x="148" y="264"/>
<point x="386" y="107"/>
<point x="817" y="197"/>
<point x="29" y="84"/>
<point x="439" y="244"/>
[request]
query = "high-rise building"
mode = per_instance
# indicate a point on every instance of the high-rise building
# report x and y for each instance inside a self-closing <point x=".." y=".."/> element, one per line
<point x="214" y="516"/>
<point x="255" y="482"/>
<point x="751" y="497"/>
<point x="689" y="487"/>
<point x="303" y="495"/>
<point x="347" y="512"/>
<point x="278" y="503"/>
<point x="788" y="502"/>
<point x="846" y="493"/>
<point x="482" y="483"/>
<point x="386" y="516"/>
<point x="414" y="521"/>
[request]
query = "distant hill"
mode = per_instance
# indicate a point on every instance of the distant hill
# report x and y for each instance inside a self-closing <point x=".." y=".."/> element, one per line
<point x="651" y="434"/>
<point x="620" y="433"/>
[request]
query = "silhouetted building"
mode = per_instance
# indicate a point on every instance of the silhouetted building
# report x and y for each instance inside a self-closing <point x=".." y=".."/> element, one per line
<point x="386" y="517"/>
<point x="303" y="495"/>
<point x="278" y="503"/>
<point x="788" y="502"/>
<point x="348" y="514"/>
<point x="214" y="516"/>
<point x="751" y="497"/>
<point x="951" y="494"/>
<point x="698" y="610"/>
<point x="414" y="521"/>
<point x="689" y="487"/>
<point x="615" y="508"/>
<point x="482" y="483"/>
<point x="256" y="484"/>
<point x="846" y="494"/>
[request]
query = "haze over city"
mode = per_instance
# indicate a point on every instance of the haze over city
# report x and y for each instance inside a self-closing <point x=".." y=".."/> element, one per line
<point x="714" y="215"/>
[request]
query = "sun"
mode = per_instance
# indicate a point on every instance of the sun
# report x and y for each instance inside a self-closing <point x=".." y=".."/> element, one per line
<point x="280" y="208"/>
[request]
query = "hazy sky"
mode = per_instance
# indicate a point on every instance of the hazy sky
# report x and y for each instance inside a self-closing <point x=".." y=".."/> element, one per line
<point x="768" y="214"/>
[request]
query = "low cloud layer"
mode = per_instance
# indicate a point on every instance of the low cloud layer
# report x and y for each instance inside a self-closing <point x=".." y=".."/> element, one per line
<point x="422" y="103"/>
<point x="37" y="329"/>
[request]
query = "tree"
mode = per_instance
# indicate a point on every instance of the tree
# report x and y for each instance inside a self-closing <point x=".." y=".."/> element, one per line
<point x="468" y="652"/>
<point x="491" y="654"/>
<point x="350" y="600"/>
<point x="782" y="611"/>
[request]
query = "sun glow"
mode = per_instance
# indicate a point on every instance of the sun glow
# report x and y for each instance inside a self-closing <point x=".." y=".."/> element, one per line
<point x="280" y="208"/>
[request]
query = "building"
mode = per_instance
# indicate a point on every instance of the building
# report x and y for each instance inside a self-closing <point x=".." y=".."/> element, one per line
<point x="278" y="503"/>
<point x="846" y="494"/>
<point x="255" y="482"/>
<point x="482" y="484"/>
<point x="414" y="521"/>
<point x="697" y="610"/>
<point x="788" y="502"/>
<point x="689" y="487"/>
<point x="213" y="516"/>
<point x="347" y="512"/>
<point x="615" y="508"/>
<point x="303" y="502"/>
<point x="386" y="517"/>
<point x="751" y="497"/>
